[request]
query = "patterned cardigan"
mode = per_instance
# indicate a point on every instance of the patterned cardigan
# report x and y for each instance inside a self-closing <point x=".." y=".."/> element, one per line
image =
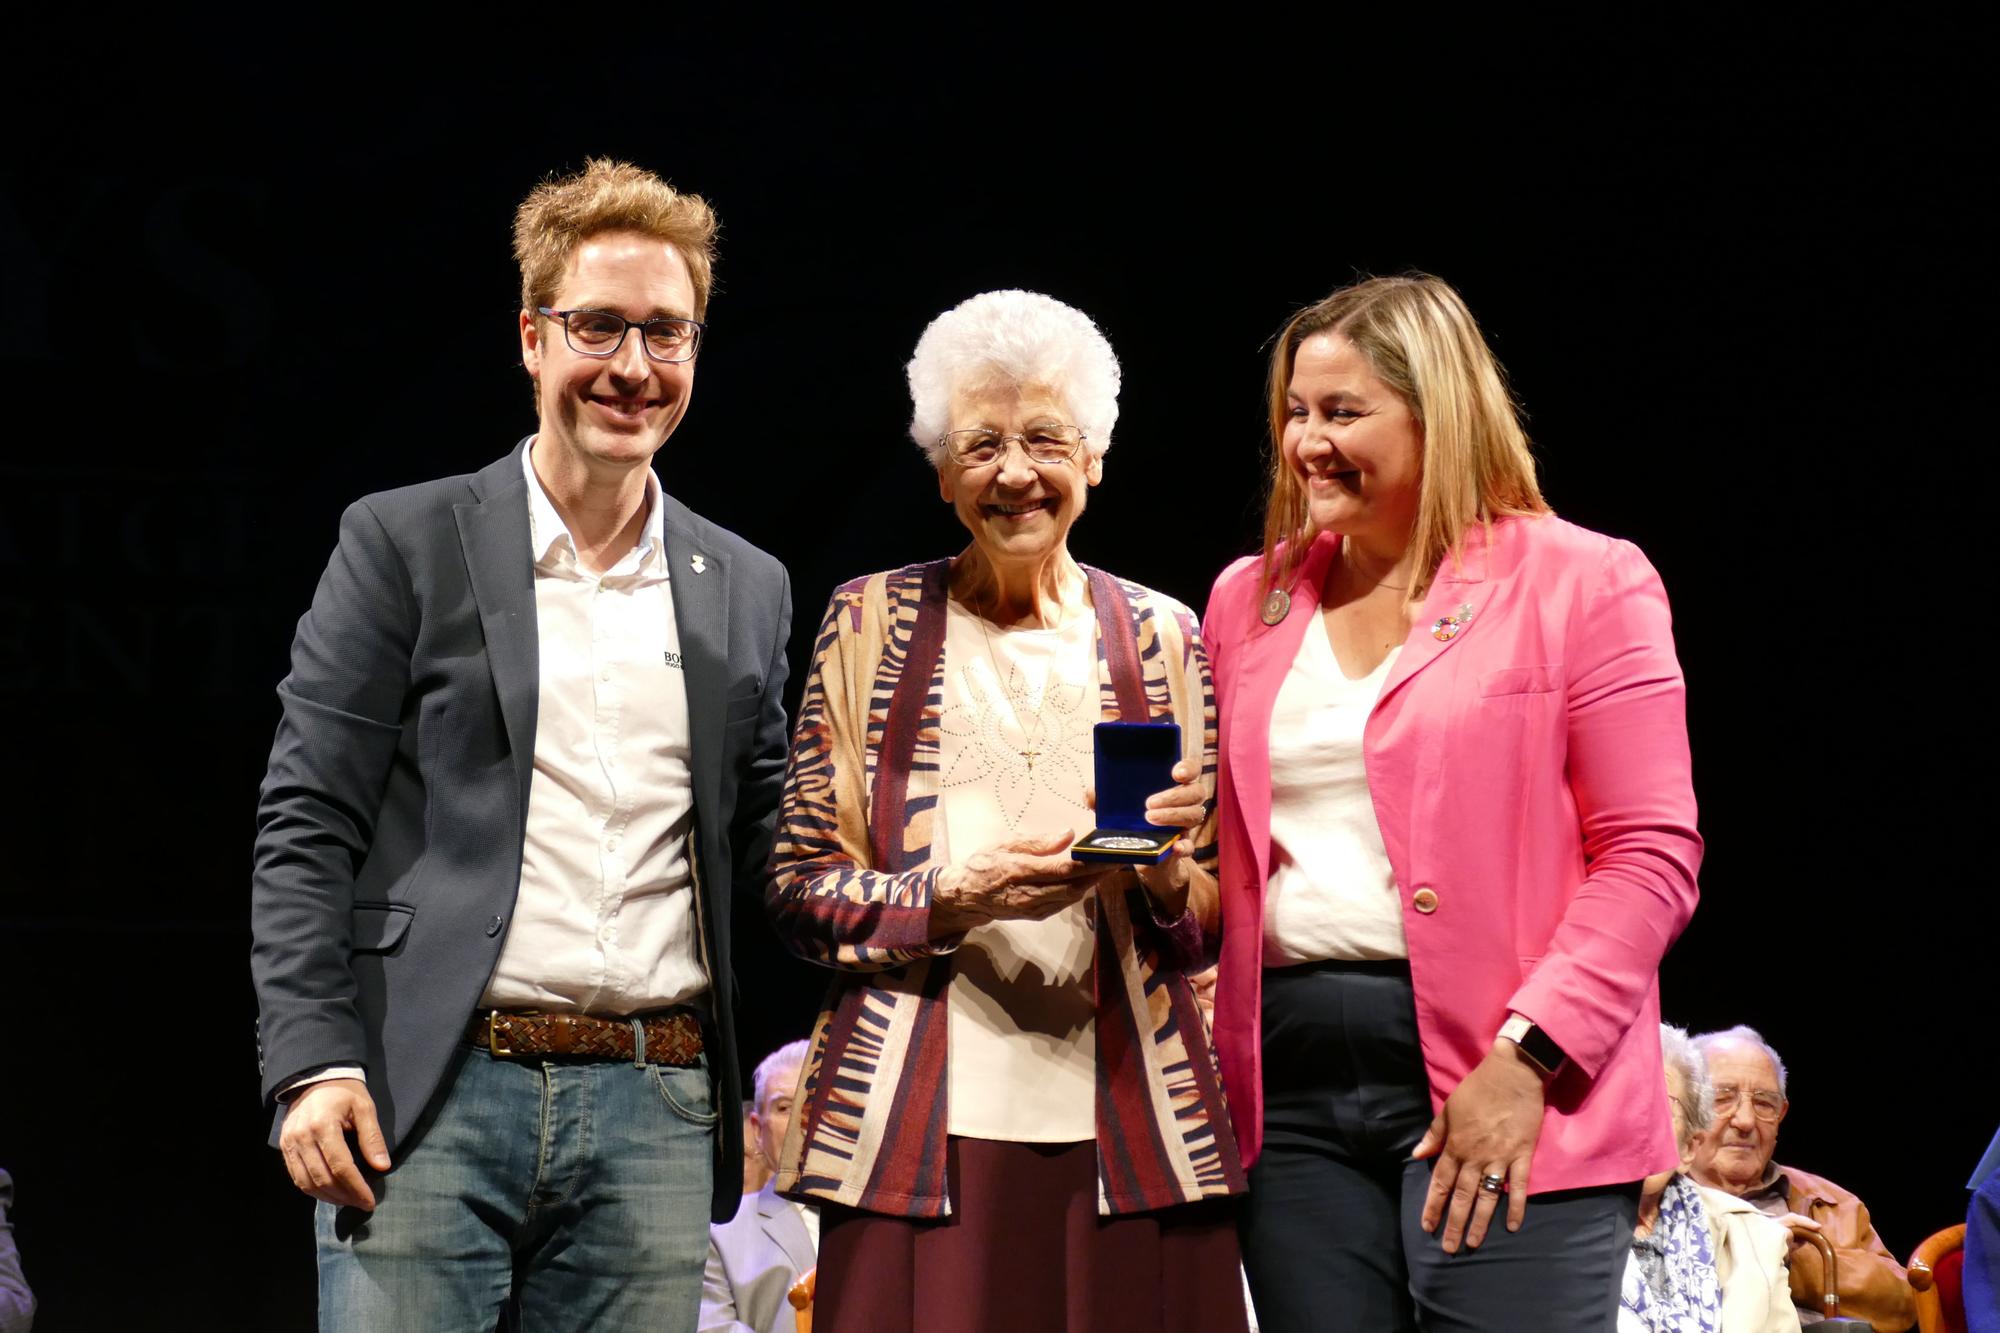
<point x="851" y="888"/>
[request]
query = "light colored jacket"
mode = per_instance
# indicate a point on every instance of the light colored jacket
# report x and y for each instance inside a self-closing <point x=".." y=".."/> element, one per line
<point x="753" y="1260"/>
<point x="1750" y="1253"/>
<point x="1528" y="762"/>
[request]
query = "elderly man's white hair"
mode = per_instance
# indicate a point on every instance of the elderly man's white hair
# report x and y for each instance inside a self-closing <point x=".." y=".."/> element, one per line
<point x="1013" y="337"/>
<point x="789" y="1056"/>
<point x="1680" y="1053"/>
<point x="1744" y="1033"/>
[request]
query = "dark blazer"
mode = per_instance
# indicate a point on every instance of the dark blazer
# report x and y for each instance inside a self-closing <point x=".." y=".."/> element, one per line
<point x="392" y="816"/>
<point x="753" y="1260"/>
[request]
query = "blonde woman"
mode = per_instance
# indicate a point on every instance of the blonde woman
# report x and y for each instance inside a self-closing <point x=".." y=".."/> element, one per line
<point x="1457" y="836"/>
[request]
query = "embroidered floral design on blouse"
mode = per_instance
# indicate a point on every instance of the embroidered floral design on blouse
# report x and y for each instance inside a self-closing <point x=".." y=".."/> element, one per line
<point x="1022" y="738"/>
<point x="1670" y="1284"/>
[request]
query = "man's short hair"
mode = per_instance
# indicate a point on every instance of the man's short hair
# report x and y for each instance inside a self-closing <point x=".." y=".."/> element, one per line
<point x="564" y="211"/>
<point x="1744" y="1033"/>
<point x="789" y="1056"/>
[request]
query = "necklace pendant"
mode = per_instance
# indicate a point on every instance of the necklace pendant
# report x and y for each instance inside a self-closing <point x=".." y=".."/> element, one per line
<point x="1276" y="606"/>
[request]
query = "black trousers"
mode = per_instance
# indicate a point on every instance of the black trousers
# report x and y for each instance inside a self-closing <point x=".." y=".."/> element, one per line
<point x="1331" y="1229"/>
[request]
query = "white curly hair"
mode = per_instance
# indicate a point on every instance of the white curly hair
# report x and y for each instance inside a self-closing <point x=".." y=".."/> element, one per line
<point x="1679" y="1051"/>
<point x="1019" y="338"/>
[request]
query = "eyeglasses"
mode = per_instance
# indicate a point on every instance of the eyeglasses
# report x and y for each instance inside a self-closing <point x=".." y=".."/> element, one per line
<point x="600" y="333"/>
<point x="977" y="447"/>
<point x="1765" y="1106"/>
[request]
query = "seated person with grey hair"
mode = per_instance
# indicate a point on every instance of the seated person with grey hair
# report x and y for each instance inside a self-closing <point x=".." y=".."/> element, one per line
<point x="1701" y="1261"/>
<point x="1734" y="1156"/>
<point x="756" y="1256"/>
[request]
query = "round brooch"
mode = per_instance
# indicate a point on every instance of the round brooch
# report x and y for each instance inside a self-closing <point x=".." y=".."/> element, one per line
<point x="1446" y="628"/>
<point x="1277" y="606"/>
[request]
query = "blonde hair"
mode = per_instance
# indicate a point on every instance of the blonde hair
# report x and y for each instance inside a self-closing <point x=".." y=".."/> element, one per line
<point x="1422" y="342"/>
<point x="563" y="211"/>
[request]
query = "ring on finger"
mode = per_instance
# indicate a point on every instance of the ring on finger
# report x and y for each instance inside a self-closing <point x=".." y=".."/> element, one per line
<point x="1491" y="1183"/>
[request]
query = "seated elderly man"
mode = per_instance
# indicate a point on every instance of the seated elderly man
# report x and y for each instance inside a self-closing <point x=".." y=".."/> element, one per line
<point x="756" y="1256"/>
<point x="1702" y="1261"/>
<point x="1734" y="1156"/>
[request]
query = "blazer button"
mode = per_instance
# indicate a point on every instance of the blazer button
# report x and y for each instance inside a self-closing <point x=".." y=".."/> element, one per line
<point x="1425" y="900"/>
<point x="493" y="927"/>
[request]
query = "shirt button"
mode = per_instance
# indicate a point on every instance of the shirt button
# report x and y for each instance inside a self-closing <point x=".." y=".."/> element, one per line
<point x="1425" y="900"/>
<point x="611" y="843"/>
<point x="493" y="927"/>
<point x="604" y="674"/>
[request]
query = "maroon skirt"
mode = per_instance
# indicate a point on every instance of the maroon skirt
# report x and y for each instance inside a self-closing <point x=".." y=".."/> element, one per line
<point x="1025" y="1249"/>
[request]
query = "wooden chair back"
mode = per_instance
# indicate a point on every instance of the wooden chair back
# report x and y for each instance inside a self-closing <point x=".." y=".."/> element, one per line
<point x="1936" y="1271"/>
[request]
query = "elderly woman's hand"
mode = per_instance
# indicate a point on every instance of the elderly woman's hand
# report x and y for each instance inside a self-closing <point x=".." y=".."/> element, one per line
<point x="1022" y="879"/>
<point x="1184" y="805"/>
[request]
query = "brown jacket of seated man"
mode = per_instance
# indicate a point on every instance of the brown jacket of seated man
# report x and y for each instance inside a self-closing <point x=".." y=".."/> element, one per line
<point x="1873" y="1286"/>
<point x="1734" y="1155"/>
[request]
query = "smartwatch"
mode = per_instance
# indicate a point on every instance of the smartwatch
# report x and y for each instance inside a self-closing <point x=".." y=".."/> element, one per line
<point x="1541" y="1050"/>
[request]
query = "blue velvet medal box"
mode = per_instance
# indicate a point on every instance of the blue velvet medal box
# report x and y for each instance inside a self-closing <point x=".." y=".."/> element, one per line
<point x="1133" y="760"/>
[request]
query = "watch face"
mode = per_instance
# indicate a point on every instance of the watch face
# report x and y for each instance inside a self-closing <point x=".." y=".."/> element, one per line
<point x="1537" y="1046"/>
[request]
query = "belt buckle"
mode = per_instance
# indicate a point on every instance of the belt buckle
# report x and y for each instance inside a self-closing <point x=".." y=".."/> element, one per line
<point x="493" y="1045"/>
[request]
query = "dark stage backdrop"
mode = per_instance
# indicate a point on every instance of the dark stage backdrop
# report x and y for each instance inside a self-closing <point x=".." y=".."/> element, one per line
<point x="1730" y="296"/>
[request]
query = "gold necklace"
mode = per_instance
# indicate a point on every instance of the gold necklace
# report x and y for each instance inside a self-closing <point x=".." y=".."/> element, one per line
<point x="1029" y="748"/>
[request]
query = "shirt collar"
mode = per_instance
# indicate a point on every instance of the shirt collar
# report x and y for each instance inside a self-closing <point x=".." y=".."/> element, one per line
<point x="549" y="538"/>
<point x="1773" y="1182"/>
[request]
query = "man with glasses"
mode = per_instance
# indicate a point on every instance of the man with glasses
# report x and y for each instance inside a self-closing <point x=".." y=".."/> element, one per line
<point x="532" y="737"/>
<point x="1734" y="1155"/>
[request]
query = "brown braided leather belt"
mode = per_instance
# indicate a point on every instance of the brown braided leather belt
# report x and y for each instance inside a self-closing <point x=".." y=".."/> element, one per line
<point x="671" y="1038"/>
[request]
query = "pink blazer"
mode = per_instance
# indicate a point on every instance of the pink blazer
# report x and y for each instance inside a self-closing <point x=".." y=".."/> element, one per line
<point x="1529" y="768"/>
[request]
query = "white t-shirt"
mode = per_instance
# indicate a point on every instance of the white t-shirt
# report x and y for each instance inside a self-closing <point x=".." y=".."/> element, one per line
<point x="1016" y="750"/>
<point x="1330" y="893"/>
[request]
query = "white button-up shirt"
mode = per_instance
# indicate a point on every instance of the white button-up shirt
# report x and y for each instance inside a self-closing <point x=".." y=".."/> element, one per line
<point x="604" y="922"/>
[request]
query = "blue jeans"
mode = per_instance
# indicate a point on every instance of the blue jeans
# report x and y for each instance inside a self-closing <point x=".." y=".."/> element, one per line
<point x="579" y="1189"/>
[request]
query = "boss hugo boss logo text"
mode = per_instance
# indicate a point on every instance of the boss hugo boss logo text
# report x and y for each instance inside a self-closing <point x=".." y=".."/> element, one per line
<point x="673" y="659"/>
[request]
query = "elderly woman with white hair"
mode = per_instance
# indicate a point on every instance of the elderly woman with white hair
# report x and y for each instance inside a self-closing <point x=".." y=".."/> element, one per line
<point x="1010" y="1116"/>
<point x="1702" y="1261"/>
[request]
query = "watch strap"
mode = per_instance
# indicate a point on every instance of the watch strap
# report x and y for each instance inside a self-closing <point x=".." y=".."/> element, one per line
<point x="1537" y="1045"/>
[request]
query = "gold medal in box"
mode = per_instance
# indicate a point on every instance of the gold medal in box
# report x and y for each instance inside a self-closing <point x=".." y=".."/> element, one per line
<point x="1132" y="760"/>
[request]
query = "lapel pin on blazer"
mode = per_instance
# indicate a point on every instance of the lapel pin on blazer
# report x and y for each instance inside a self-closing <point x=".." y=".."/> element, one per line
<point x="697" y="562"/>
<point x="1447" y="627"/>
<point x="1277" y="606"/>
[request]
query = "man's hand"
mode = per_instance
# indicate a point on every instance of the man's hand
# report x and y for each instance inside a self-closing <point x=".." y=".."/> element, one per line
<point x="1790" y="1220"/>
<point x="1807" y="1267"/>
<point x="314" y="1142"/>
<point x="1488" y="1126"/>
